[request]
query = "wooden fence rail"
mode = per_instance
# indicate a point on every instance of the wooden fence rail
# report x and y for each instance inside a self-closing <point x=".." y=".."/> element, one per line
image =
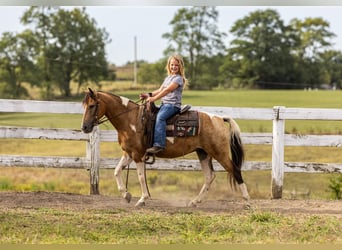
<point x="92" y="161"/>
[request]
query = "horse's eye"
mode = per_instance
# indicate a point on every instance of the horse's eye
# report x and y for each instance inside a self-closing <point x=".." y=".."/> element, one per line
<point x="91" y="106"/>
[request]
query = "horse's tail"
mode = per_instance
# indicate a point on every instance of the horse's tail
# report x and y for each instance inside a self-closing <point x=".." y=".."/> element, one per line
<point x="237" y="150"/>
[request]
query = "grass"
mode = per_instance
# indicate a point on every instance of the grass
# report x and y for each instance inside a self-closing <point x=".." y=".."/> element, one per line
<point x="41" y="226"/>
<point x="162" y="184"/>
<point x="41" y="120"/>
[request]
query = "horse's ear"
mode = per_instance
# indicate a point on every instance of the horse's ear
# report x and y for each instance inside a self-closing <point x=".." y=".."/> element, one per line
<point x="92" y="94"/>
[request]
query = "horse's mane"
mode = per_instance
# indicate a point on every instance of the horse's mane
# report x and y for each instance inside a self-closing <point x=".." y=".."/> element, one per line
<point x="109" y="93"/>
<point x="88" y="95"/>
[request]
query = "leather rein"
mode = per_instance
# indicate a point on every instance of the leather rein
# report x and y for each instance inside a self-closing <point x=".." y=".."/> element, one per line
<point x="102" y="120"/>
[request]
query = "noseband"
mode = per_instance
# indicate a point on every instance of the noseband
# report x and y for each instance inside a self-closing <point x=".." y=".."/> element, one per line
<point x="97" y="121"/>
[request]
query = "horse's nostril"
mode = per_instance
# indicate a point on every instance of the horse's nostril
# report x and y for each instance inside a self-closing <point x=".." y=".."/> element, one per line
<point x="87" y="128"/>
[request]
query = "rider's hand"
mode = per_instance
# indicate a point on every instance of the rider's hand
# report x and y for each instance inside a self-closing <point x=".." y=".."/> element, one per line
<point x="143" y="96"/>
<point x="150" y="99"/>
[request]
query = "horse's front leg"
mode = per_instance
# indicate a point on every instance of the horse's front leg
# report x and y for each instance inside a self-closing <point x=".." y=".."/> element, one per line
<point x="142" y="179"/>
<point x="124" y="161"/>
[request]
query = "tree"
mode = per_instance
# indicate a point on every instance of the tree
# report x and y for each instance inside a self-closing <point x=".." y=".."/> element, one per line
<point x="260" y="54"/>
<point x="313" y="39"/>
<point x="39" y="19"/>
<point x="210" y="72"/>
<point x="17" y="62"/>
<point x="72" y="47"/>
<point x="152" y="73"/>
<point x="195" y="36"/>
<point x="331" y="68"/>
<point x="313" y="35"/>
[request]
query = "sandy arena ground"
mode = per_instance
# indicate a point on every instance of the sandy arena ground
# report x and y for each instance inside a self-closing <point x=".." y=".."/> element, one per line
<point x="12" y="200"/>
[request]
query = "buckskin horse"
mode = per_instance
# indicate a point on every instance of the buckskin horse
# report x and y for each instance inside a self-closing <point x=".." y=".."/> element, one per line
<point x="215" y="140"/>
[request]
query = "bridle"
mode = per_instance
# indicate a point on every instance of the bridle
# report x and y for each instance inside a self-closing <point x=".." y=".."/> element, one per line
<point x="103" y="119"/>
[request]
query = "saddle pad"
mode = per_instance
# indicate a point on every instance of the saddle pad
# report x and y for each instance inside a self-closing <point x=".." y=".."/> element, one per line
<point x="183" y="125"/>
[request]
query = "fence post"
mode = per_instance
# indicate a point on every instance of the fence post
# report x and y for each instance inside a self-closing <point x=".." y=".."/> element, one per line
<point x="278" y="153"/>
<point x="93" y="155"/>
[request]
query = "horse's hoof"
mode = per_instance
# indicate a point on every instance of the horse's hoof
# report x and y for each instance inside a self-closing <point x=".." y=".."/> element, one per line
<point x="247" y="206"/>
<point x="192" y="204"/>
<point x="140" y="204"/>
<point x="127" y="197"/>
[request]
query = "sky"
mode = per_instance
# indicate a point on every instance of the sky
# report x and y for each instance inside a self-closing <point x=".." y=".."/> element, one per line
<point x="148" y="23"/>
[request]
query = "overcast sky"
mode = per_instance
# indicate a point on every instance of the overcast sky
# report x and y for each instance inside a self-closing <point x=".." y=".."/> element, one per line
<point x="148" y="23"/>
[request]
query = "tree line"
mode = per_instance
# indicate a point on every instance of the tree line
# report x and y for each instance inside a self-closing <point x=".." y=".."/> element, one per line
<point x="61" y="46"/>
<point x="58" y="47"/>
<point x="264" y="52"/>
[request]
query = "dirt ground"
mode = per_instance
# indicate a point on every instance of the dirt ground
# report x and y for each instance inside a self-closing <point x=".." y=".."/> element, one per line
<point x="29" y="200"/>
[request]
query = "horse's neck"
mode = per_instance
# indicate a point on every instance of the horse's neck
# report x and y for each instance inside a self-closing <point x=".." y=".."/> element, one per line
<point x="120" y="112"/>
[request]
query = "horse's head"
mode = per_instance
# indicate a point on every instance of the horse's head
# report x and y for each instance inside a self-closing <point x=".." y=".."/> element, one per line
<point x="93" y="111"/>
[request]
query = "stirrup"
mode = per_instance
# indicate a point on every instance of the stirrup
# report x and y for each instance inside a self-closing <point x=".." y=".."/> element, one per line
<point x="147" y="157"/>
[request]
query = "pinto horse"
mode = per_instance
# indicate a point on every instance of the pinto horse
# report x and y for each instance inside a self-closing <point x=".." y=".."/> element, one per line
<point x="215" y="140"/>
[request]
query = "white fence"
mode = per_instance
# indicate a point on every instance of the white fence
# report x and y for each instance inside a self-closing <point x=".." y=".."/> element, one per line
<point x="92" y="161"/>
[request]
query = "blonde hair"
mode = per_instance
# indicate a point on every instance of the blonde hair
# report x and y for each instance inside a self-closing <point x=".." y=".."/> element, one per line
<point x="179" y="58"/>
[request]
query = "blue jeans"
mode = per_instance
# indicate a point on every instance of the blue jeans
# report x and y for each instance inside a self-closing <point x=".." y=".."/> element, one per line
<point x="165" y="112"/>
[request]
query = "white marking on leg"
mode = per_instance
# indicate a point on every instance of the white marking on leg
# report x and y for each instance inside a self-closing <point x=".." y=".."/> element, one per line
<point x="143" y="185"/>
<point x="245" y="196"/>
<point x="124" y="161"/>
<point x="124" y="101"/>
<point x="244" y="192"/>
<point x="209" y="177"/>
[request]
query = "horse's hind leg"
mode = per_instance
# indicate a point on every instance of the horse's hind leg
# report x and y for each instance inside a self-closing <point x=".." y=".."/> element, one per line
<point x="124" y="161"/>
<point x="236" y="174"/>
<point x="209" y="175"/>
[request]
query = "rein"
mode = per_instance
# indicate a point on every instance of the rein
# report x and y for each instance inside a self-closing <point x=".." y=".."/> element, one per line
<point x="100" y="121"/>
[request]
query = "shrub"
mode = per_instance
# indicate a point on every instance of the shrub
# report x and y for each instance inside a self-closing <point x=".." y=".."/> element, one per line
<point x="335" y="187"/>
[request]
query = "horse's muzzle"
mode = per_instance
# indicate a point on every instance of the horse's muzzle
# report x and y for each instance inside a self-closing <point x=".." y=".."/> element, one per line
<point x="87" y="128"/>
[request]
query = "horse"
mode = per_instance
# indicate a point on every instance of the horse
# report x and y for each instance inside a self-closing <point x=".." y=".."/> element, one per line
<point x="215" y="140"/>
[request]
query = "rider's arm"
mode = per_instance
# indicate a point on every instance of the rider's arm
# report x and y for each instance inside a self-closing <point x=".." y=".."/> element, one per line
<point x="156" y="95"/>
